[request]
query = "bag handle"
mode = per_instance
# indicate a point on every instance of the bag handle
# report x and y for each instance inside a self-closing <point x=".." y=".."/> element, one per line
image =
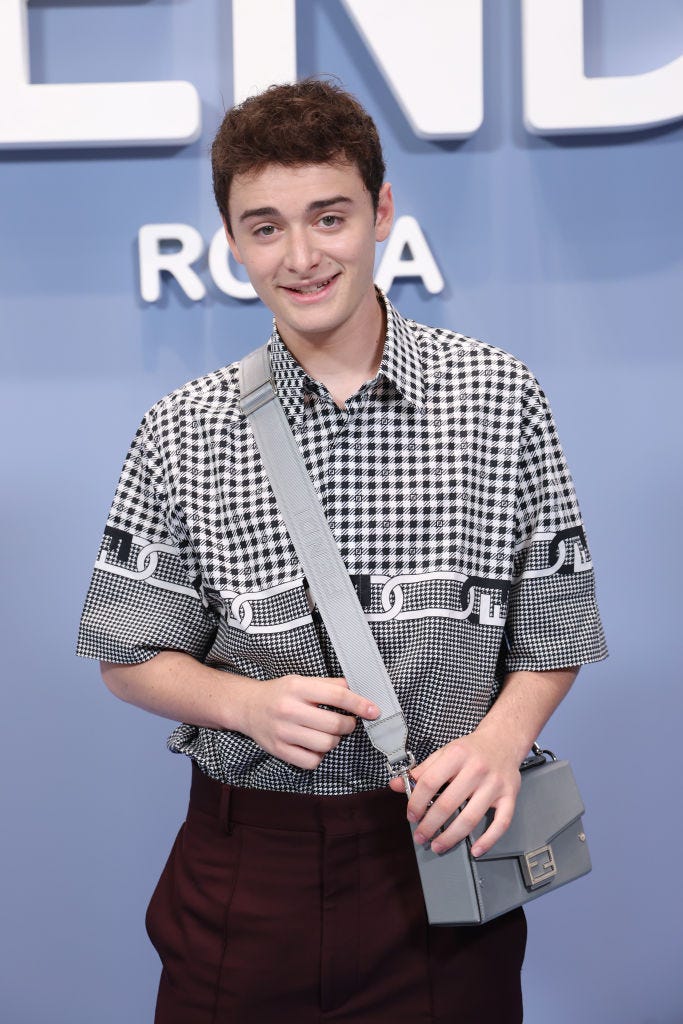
<point x="319" y="555"/>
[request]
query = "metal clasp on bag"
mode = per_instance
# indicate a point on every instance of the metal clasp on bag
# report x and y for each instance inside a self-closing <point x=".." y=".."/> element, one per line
<point x="538" y="867"/>
<point x="401" y="770"/>
<point x="541" y="752"/>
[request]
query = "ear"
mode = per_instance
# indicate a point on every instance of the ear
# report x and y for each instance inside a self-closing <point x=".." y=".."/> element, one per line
<point x="231" y="241"/>
<point x="385" y="213"/>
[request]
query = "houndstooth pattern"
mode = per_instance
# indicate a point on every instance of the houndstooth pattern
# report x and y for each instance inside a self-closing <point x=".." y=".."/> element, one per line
<point x="445" y="486"/>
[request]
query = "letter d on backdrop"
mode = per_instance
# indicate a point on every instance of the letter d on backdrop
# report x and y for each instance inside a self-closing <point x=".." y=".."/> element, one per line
<point x="559" y="98"/>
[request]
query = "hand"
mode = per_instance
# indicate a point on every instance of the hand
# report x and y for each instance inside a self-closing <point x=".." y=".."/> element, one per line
<point x="285" y="718"/>
<point x="475" y="770"/>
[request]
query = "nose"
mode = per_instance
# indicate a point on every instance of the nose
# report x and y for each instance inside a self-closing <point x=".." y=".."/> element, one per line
<point x="303" y="255"/>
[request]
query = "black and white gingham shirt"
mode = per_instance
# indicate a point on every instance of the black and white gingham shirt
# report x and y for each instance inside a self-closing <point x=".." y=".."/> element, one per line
<point x="447" y="491"/>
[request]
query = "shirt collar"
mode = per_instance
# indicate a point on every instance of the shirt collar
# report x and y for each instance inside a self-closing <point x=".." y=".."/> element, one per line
<point x="402" y="360"/>
<point x="401" y="365"/>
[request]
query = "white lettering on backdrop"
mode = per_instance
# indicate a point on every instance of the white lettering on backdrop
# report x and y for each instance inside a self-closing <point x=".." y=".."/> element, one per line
<point x="433" y="64"/>
<point x="86" y="114"/>
<point x="559" y="98"/>
<point x="174" y="249"/>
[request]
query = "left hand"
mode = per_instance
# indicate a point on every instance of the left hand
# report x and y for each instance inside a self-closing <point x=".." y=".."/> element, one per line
<point x="476" y="770"/>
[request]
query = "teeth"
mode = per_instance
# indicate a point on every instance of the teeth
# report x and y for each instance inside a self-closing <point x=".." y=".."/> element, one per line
<point x="312" y="288"/>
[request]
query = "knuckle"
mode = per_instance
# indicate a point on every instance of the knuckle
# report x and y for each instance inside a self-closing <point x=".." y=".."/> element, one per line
<point x="286" y="707"/>
<point x="468" y="820"/>
<point x="430" y="778"/>
<point x="503" y="822"/>
<point x="307" y="759"/>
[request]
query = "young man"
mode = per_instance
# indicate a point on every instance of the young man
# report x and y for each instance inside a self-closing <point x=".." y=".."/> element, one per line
<point x="292" y="890"/>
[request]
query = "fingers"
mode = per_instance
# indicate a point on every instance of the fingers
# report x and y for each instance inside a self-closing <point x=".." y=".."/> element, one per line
<point x="295" y="717"/>
<point x="301" y="758"/>
<point x="310" y="700"/>
<point x="438" y="813"/>
<point x="397" y="785"/>
<point x="301" y="746"/>
<point x="339" y="696"/>
<point x="464" y="823"/>
<point x="313" y="740"/>
<point x="331" y="722"/>
<point x="457" y="777"/>
<point x="498" y="827"/>
<point x="461" y="826"/>
<point x="432" y="775"/>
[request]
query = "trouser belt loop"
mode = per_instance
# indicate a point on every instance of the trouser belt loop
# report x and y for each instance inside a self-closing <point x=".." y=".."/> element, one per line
<point x="224" y="810"/>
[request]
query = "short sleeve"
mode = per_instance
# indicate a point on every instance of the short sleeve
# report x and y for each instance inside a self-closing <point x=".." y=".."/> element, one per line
<point x="142" y="598"/>
<point x="553" y="620"/>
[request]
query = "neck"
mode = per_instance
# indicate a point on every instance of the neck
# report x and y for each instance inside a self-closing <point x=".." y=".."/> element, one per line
<point x="346" y="358"/>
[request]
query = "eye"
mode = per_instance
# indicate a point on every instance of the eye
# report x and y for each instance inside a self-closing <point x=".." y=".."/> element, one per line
<point x="330" y="220"/>
<point x="265" y="231"/>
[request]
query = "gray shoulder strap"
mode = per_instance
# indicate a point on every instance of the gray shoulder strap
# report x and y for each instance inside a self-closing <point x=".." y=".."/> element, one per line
<point x="317" y="550"/>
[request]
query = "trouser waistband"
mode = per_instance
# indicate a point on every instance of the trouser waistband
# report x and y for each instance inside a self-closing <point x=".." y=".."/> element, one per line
<point x="340" y="815"/>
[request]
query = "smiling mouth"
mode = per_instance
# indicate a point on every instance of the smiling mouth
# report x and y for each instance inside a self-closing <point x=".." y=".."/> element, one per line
<point x="311" y="289"/>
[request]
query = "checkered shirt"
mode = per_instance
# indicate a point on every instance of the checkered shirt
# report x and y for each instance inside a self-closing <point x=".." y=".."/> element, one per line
<point x="446" y="489"/>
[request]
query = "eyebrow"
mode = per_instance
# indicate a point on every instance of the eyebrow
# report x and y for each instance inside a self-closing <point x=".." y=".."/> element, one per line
<point x="317" y="204"/>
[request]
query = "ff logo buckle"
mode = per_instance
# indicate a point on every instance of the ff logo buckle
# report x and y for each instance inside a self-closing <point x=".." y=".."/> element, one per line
<point x="538" y="867"/>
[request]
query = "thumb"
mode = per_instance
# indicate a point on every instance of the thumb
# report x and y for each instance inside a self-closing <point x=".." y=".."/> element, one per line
<point x="397" y="785"/>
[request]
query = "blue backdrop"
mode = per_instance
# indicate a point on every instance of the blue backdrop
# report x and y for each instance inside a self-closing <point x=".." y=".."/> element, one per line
<point x="566" y="252"/>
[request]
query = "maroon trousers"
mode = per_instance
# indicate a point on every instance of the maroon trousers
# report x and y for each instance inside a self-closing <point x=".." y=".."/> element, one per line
<point x="278" y="907"/>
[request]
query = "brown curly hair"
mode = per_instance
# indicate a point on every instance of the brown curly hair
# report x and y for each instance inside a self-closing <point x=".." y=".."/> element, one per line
<point x="310" y="122"/>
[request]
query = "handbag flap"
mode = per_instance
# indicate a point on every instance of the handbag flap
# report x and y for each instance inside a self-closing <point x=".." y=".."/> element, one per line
<point x="548" y="802"/>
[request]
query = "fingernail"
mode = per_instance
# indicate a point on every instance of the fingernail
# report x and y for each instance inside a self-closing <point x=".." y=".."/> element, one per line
<point x="372" y="710"/>
<point x="476" y="850"/>
<point x="419" y="838"/>
<point x="437" y="847"/>
<point x="412" y="817"/>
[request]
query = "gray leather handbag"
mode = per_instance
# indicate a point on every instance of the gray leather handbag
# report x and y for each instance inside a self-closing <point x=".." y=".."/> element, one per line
<point x="545" y="846"/>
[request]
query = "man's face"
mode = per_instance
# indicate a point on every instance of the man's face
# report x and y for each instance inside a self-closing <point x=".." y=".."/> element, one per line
<point x="306" y="236"/>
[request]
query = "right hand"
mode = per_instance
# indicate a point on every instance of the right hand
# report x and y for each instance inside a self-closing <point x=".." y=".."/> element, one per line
<point x="285" y="717"/>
